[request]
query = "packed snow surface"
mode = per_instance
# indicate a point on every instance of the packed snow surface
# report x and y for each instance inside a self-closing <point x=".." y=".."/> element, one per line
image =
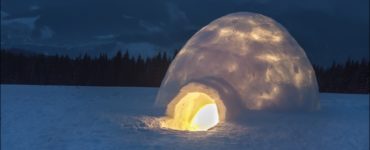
<point x="117" y="118"/>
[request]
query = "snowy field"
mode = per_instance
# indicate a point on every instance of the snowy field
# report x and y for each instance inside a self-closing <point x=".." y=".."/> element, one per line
<point x="118" y="118"/>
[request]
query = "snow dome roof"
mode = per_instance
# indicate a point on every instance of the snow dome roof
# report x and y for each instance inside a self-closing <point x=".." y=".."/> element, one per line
<point x="249" y="60"/>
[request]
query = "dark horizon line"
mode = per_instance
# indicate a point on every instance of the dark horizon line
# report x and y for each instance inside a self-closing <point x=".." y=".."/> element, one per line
<point x="121" y="70"/>
<point x="159" y="54"/>
<point x="27" y="52"/>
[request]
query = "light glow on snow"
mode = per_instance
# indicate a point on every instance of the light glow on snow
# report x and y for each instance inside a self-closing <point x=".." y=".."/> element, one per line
<point x="261" y="34"/>
<point x="196" y="111"/>
<point x="269" y="58"/>
<point x="128" y="126"/>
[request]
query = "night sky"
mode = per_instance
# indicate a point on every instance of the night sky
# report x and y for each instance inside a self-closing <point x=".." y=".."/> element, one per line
<point x="327" y="29"/>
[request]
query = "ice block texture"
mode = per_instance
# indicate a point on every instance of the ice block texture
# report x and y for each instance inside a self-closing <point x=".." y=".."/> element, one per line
<point x="250" y="60"/>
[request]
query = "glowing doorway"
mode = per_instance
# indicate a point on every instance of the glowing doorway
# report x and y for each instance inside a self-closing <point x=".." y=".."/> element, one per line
<point x="195" y="111"/>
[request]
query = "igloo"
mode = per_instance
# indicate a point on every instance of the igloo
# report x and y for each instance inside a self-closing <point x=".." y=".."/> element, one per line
<point x="239" y="62"/>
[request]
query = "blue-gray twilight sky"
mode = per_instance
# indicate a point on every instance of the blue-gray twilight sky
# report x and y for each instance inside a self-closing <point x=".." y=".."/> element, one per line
<point x="327" y="29"/>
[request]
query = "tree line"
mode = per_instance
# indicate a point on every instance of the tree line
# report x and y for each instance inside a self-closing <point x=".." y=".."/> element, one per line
<point x="124" y="70"/>
<point x="350" y="77"/>
<point x="119" y="70"/>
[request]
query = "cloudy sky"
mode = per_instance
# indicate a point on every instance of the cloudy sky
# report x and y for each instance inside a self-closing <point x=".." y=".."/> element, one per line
<point x="327" y="29"/>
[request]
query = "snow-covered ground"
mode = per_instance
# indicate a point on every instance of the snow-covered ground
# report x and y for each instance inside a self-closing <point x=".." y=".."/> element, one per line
<point x="118" y="118"/>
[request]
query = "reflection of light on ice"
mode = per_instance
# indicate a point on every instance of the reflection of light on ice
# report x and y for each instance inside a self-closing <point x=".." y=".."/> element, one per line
<point x="223" y="129"/>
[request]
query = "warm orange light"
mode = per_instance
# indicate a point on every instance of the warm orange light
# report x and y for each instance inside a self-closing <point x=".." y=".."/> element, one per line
<point x="194" y="112"/>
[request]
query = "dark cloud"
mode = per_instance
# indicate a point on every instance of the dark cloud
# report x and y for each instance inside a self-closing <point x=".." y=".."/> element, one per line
<point x="327" y="29"/>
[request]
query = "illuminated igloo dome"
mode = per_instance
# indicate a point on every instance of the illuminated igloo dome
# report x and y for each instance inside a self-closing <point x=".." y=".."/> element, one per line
<point x="242" y="61"/>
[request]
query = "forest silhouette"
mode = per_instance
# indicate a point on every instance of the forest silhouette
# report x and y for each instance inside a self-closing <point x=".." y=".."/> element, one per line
<point x="125" y="70"/>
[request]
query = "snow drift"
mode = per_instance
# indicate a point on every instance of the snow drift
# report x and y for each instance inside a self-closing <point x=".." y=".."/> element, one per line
<point x="242" y="61"/>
